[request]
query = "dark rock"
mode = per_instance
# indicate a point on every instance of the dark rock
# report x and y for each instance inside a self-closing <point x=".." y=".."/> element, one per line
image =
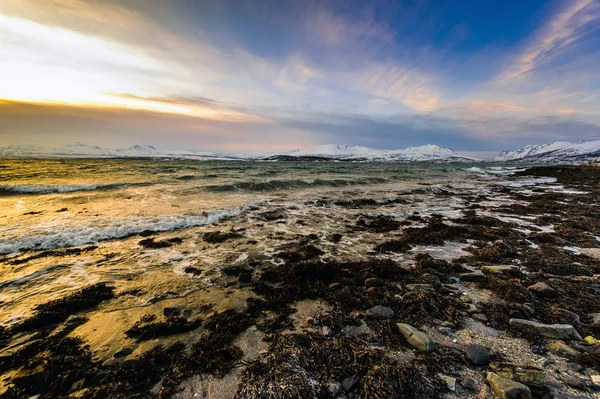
<point x="543" y="290"/>
<point x="380" y="313"/>
<point x="554" y="331"/>
<point x="475" y="277"/>
<point x="349" y="383"/>
<point x="469" y="383"/>
<point x="479" y="355"/>
<point x="168" y="312"/>
<point x="573" y="382"/>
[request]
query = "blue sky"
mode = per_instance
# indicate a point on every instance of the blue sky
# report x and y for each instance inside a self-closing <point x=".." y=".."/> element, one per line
<point x="245" y="75"/>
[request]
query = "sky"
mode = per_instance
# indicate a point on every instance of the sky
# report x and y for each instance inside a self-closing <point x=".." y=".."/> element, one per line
<point x="264" y="75"/>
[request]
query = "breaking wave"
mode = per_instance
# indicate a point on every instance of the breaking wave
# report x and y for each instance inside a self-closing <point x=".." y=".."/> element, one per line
<point x="14" y="189"/>
<point x="273" y="185"/>
<point x="51" y="237"/>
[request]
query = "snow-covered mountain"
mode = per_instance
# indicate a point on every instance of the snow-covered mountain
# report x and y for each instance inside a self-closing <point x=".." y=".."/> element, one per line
<point x="344" y="152"/>
<point x="331" y="152"/>
<point x="560" y="151"/>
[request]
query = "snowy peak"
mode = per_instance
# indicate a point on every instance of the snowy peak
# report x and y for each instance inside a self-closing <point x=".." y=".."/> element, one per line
<point x="324" y="152"/>
<point x="559" y="151"/>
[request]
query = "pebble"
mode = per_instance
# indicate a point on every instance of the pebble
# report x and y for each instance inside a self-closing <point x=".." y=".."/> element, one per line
<point x="469" y="383"/>
<point x="417" y="339"/>
<point x="334" y="388"/>
<point x="465" y="299"/>
<point x="380" y="313"/>
<point x="501" y="269"/>
<point x="479" y="355"/>
<point x="480" y="317"/>
<point x="591" y="340"/>
<point x="543" y="290"/>
<point x="554" y="331"/>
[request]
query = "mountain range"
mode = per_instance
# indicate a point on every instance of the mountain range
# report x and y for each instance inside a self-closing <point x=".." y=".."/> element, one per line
<point x="560" y="151"/>
<point x="325" y="152"/>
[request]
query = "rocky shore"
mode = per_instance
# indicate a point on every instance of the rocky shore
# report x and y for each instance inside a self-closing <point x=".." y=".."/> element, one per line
<point x="369" y="310"/>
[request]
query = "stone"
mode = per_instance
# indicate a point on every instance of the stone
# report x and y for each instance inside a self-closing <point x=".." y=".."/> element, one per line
<point x="480" y="317"/>
<point x="554" y="331"/>
<point x="380" y="313"/>
<point x="169" y="312"/>
<point x="450" y="382"/>
<point x="474" y="277"/>
<point x="590" y="340"/>
<point x="471" y="309"/>
<point x="419" y="287"/>
<point x="572" y="317"/>
<point x="34" y="379"/>
<point x="501" y="269"/>
<point x="528" y="375"/>
<point x="373" y="282"/>
<point x="417" y="339"/>
<point x="447" y="331"/>
<point x="334" y="389"/>
<point x="469" y="383"/>
<point x="349" y="382"/>
<point x="479" y="355"/>
<point x="559" y="348"/>
<point x="466" y="299"/>
<point x="544" y="290"/>
<point x="595" y="379"/>
<point x="504" y="388"/>
<point x="595" y="319"/>
<point x="480" y="328"/>
<point x="573" y="382"/>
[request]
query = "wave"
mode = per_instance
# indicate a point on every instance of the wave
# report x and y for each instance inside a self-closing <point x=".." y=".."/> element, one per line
<point x="15" y="189"/>
<point x="273" y="185"/>
<point x="49" y="237"/>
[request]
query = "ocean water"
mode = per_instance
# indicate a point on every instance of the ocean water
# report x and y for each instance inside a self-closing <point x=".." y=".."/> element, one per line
<point x="66" y="224"/>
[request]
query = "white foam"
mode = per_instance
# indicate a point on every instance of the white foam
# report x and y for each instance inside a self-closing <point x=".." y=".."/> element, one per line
<point x="58" y="236"/>
<point x="529" y="182"/>
<point x="51" y="188"/>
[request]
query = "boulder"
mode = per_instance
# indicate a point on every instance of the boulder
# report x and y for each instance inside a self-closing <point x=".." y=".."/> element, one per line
<point x="417" y="339"/>
<point x="475" y="277"/>
<point x="380" y="313"/>
<point x="478" y="354"/>
<point x="504" y="388"/>
<point x="554" y="331"/>
<point x="544" y="290"/>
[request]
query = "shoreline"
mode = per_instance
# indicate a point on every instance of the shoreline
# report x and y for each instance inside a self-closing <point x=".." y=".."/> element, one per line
<point x="363" y="308"/>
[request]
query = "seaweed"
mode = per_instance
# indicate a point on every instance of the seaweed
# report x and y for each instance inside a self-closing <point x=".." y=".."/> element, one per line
<point x="148" y="328"/>
<point x="215" y="237"/>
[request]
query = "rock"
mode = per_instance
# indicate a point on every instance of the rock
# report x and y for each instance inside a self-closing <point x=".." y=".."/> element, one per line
<point x="480" y="317"/>
<point x="326" y="331"/>
<point x="466" y="299"/>
<point x="335" y="285"/>
<point x="417" y="339"/>
<point x="475" y="277"/>
<point x="504" y="388"/>
<point x="380" y="313"/>
<point x="169" y="312"/>
<point x="245" y="277"/>
<point x="595" y="379"/>
<point x="543" y="290"/>
<point x="269" y="276"/>
<point x="349" y="382"/>
<point x="559" y="348"/>
<point x="469" y="383"/>
<point x="373" y="282"/>
<point x="528" y="375"/>
<point x="554" y="331"/>
<point x="573" y="382"/>
<point x="230" y="283"/>
<point x="595" y="319"/>
<point x="479" y="355"/>
<point x="501" y="269"/>
<point x="480" y="328"/>
<point x="419" y="287"/>
<point x="334" y="389"/>
<point x="590" y="340"/>
<point x="471" y="309"/>
<point x="450" y="382"/>
<point x="571" y="317"/>
<point x="34" y="379"/>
